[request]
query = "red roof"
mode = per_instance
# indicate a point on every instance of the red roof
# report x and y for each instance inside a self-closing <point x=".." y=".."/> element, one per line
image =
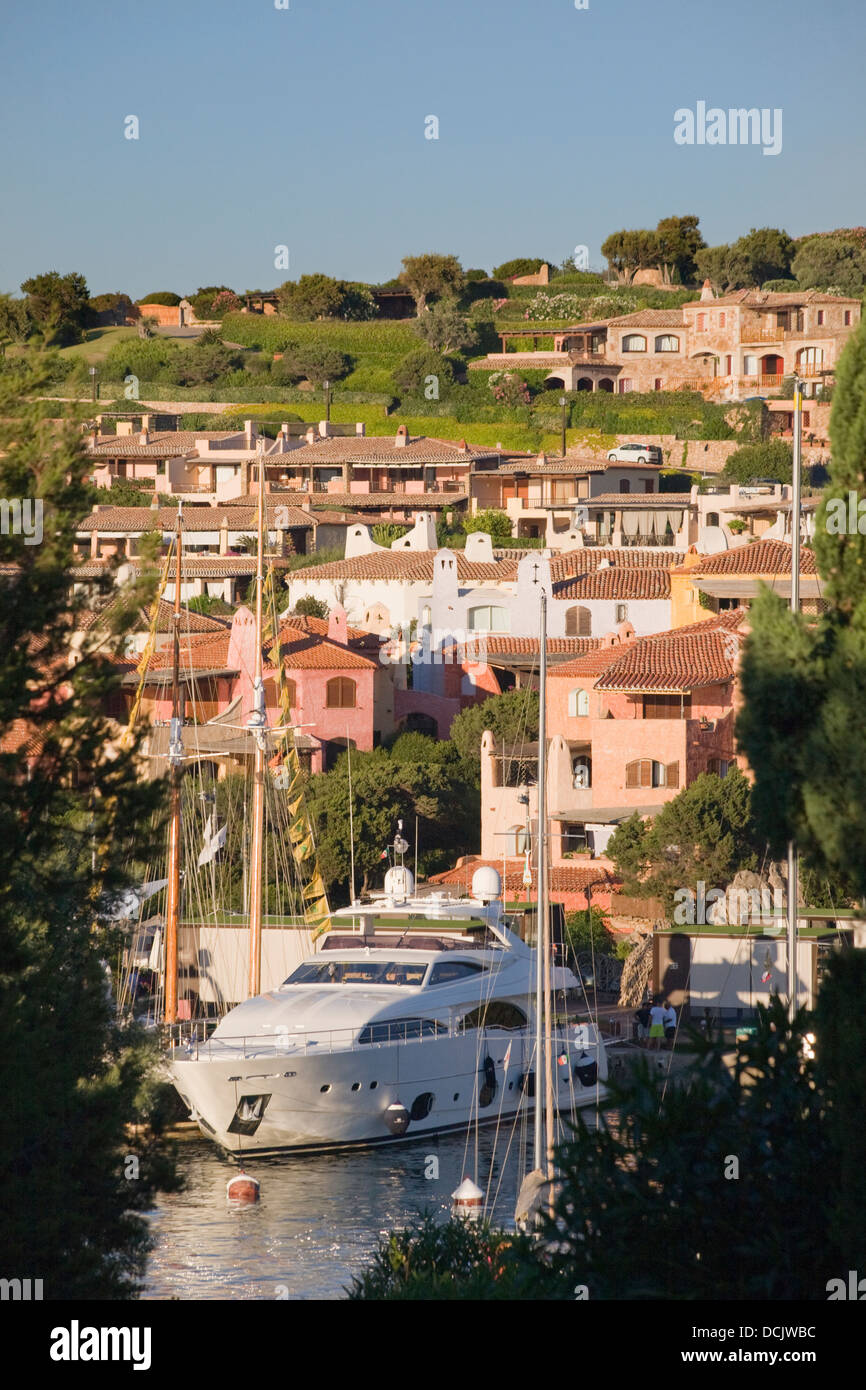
<point x="685" y="659"/>
<point x="769" y="557"/>
<point x="563" y="878"/>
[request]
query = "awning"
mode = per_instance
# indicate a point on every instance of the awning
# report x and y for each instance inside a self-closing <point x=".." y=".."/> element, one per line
<point x="605" y="815"/>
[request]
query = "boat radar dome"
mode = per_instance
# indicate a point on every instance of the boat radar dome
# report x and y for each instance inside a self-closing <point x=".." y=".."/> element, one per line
<point x="486" y="883"/>
<point x="399" y="882"/>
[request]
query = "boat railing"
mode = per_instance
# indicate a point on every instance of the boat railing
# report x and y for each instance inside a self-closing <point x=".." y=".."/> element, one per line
<point x="191" y="1040"/>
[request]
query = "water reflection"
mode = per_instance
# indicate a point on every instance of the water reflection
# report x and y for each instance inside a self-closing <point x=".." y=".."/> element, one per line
<point x="319" y="1219"/>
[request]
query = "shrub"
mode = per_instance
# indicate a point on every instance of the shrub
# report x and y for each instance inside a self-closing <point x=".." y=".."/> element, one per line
<point x="167" y="297"/>
<point x="521" y="265"/>
<point x="411" y="377"/>
<point x="310" y="607"/>
<point x="317" y="362"/>
<point x="497" y="525"/>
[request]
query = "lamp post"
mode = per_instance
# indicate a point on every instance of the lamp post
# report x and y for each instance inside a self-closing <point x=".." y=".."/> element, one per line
<point x="92" y="371"/>
<point x="563" y="401"/>
<point x="327" y="386"/>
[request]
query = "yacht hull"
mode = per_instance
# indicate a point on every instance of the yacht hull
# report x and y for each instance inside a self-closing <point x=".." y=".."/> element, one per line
<point x="279" y="1101"/>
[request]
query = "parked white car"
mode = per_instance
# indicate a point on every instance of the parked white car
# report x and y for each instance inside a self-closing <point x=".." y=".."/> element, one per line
<point x="636" y="453"/>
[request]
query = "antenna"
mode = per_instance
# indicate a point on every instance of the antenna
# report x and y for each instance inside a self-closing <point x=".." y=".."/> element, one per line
<point x="351" y="816"/>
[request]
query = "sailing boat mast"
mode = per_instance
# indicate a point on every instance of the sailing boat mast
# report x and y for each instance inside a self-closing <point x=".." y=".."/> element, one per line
<point x="257" y="724"/>
<point x="175" y="761"/>
<point x="793" y="864"/>
<point x="543" y="1134"/>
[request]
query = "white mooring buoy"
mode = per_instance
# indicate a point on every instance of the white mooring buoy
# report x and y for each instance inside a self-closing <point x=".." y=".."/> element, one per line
<point x="243" y="1188"/>
<point x="467" y="1200"/>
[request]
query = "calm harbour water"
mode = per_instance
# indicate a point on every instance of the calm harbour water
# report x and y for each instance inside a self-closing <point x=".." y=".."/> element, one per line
<point x="319" y="1219"/>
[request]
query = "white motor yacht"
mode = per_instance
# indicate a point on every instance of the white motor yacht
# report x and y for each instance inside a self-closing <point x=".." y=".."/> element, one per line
<point x="415" y="1017"/>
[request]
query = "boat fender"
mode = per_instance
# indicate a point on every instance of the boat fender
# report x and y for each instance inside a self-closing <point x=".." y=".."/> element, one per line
<point x="397" y="1119"/>
<point x="490" y="1072"/>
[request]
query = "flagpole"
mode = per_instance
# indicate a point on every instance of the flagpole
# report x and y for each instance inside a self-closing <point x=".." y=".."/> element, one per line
<point x="793" y="866"/>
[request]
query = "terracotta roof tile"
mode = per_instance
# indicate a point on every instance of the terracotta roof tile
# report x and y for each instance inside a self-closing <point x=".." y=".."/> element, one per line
<point x="199" y="652"/>
<point x="363" y="449"/>
<point x="647" y="582"/>
<point x="757" y="557"/>
<point x="593" y="663"/>
<point x="627" y="557"/>
<point x="563" y="878"/>
<point x="684" y="659"/>
<point x="132" y="520"/>
<point x="304" y="651"/>
<point x="406" y="565"/>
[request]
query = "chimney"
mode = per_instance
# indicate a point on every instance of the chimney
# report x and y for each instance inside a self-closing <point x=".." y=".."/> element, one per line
<point x="310" y="435"/>
<point x="337" y="625"/>
<point x="706" y="292"/>
<point x="360" y="427"/>
<point x="326" y="429"/>
<point x="250" y="432"/>
<point x="224" y="536"/>
<point x="401" y="438"/>
<point x="146" y="422"/>
<point x="144" y="437"/>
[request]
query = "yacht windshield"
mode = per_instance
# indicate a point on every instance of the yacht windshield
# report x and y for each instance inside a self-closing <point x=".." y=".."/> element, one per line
<point x="358" y="972"/>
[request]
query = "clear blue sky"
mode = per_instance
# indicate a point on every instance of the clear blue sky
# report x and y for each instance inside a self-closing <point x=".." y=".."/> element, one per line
<point x="305" y="127"/>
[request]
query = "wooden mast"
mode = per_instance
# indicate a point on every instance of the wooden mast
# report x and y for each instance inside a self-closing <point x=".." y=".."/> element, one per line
<point x="257" y="724"/>
<point x="175" y="761"/>
<point x="544" y="904"/>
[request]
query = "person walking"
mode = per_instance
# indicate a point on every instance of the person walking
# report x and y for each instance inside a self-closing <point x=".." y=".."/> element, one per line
<point x="642" y="1019"/>
<point x="657" y="1024"/>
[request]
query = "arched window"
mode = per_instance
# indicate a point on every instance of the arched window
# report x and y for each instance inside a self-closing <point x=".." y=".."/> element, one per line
<point x="713" y="520"/>
<point x="518" y="840"/>
<point x="489" y="618"/>
<point x="578" y="622"/>
<point x="646" y="772"/>
<point x="810" y="357"/>
<point x="292" y="694"/>
<point x="667" y="342"/>
<point x="497" y="1014"/>
<point x="634" y="342"/>
<point x="340" y="693"/>
<point x="578" y="703"/>
<point x="426" y="615"/>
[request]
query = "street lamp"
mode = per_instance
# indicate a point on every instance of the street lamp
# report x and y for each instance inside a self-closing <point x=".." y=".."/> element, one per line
<point x="563" y="401"/>
<point x="327" y="386"/>
<point x="92" y="371"/>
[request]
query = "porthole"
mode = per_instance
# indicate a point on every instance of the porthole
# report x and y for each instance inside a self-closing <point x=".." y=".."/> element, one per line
<point x="356" y="1085"/>
<point x="323" y="1089"/>
<point x="456" y="1095"/>
<point x="373" y="1085"/>
<point x="422" y="1105"/>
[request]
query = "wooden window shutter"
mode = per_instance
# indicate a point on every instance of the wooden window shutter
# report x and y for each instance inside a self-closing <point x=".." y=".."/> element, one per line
<point x="672" y="775"/>
<point x="632" y="774"/>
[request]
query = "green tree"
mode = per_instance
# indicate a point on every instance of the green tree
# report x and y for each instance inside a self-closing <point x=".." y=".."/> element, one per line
<point x="16" y="325"/>
<point x="678" y="244"/>
<point x="830" y="262"/>
<point x="317" y="362"/>
<point x="627" y="252"/>
<point x="705" y="833"/>
<point x="444" y="328"/>
<point x="457" y="1260"/>
<point x="712" y="264"/>
<point x="119" y="306"/>
<point x="521" y="265"/>
<point x="422" y="371"/>
<point x="73" y="1080"/>
<point x="764" y="254"/>
<point x="804" y="682"/>
<point x="496" y="524"/>
<point x="587" y="930"/>
<point x="203" y="300"/>
<point x="511" y="718"/>
<point x="165" y="297"/>
<point x="417" y="776"/>
<point x="321" y="297"/>
<point x="774" y="458"/>
<point x="432" y="276"/>
<point x="59" y="306"/>
<point x="310" y="607"/>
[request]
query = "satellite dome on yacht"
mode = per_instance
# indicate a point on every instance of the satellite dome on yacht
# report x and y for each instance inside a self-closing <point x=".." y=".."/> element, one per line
<point x="486" y="884"/>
